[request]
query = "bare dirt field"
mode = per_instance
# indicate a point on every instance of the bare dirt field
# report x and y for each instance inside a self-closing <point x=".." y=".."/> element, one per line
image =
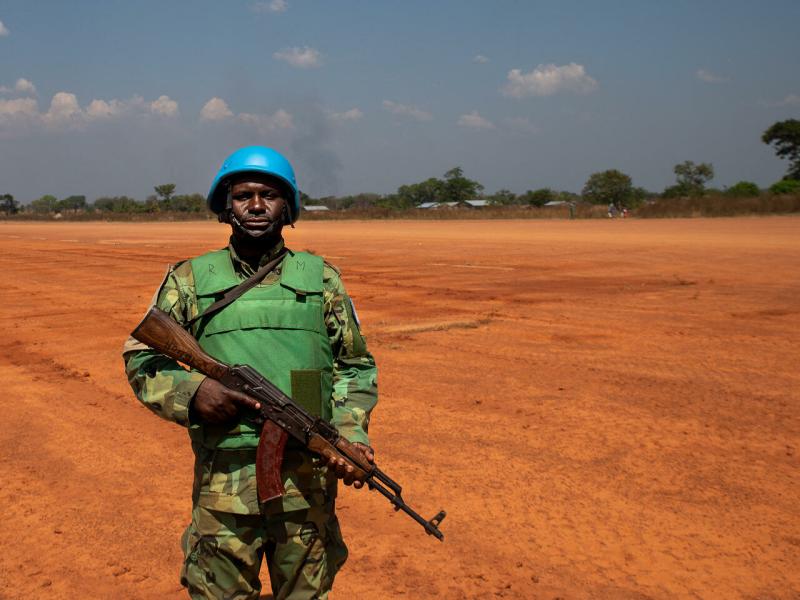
<point x="605" y="409"/>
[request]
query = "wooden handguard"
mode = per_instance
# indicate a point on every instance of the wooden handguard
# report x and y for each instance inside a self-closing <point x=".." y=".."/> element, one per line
<point x="342" y="449"/>
<point x="159" y="331"/>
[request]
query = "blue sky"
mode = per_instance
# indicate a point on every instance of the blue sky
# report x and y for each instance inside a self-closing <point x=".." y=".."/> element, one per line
<point x="112" y="97"/>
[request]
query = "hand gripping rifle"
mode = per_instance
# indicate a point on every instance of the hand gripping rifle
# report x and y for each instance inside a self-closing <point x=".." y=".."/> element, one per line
<point x="281" y="416"/>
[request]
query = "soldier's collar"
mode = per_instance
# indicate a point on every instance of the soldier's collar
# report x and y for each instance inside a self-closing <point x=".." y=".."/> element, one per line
<point x="240" y="263"/>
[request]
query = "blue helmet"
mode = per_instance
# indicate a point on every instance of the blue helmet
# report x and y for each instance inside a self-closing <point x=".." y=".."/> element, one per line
<point x="254" y="159"/>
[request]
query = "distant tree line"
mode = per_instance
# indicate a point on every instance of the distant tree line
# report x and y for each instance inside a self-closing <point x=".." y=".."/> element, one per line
<point x="8" y="206"/>
<point x="164" y="200"/>
<point x="605" y="187"/>
<point x="611" y="187"/>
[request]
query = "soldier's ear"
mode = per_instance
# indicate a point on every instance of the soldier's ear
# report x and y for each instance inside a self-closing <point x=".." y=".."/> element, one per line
<point x="224" y="216"/>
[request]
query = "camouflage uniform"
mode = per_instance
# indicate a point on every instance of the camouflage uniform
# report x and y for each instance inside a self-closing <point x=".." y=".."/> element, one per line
<point x="230" y="532"/>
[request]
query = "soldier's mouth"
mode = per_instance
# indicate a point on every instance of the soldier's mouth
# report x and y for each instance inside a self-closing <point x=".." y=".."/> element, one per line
<point x="257" y="223"/>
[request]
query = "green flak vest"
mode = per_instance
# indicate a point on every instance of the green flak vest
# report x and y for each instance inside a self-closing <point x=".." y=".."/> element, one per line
<point x="278" y="329"/>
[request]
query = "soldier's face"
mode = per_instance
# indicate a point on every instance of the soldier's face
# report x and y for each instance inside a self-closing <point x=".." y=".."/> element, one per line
<point x="257" y="206"/>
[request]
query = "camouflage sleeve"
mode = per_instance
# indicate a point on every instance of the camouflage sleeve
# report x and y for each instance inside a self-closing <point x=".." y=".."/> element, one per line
<point x="355" y="386"/>
<point x="159" y="382"/>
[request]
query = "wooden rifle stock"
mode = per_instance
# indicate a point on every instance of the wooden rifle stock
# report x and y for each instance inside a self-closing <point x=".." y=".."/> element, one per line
<point x="160" y="331"/>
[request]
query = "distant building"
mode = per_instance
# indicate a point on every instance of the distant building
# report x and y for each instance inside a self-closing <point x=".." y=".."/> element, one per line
<point x="475" y="203"/>
<point x="556" y="203"/>
<point x="461" y="204"/>
<point x="315" y="208"/>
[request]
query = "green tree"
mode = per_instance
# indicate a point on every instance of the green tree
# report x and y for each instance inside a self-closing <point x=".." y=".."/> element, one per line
<point x="165" y="192"/>
<point x="45" y="204"/>
<point x="743" y="189"/>
<point x="8" y="205"/>
<point x="567" y="196"/>
<point x="607" y="187"/>
<point x="637" y="197"/>
<point x="414" y="194"/>
<point x="692" y="178"/>
<point x="785" y="137"/>
<point x="458" y="188"/>
<point x="538" y="197"/>
<point x="117" y="204"/>
<point x="103" y="204"/>
<point x="72" y="203"/>
<point x="674" y="191"/>
<point x="151" y="204"/>
<point x="363" y="200"/>
<point x="786" y="186"/>
<point x="503" y="198"/>
<point x="194" y="203"/>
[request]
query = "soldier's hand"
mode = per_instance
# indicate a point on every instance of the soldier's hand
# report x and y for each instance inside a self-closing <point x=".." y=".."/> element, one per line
<point x="346" y="472"/>
<point x="214" y="403"/>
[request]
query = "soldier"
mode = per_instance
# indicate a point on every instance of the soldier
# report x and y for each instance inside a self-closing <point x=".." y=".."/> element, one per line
<point x="299" y="329"/>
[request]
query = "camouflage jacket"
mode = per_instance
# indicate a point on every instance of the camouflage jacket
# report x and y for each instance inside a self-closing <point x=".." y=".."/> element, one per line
<point x="167" y="388"/>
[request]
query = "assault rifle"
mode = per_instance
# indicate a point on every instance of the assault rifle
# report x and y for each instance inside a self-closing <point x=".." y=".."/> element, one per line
<point x="281" y="416"/>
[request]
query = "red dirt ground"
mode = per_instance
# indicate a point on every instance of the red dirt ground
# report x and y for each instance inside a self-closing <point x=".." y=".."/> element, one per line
<point x="606" y="409"/>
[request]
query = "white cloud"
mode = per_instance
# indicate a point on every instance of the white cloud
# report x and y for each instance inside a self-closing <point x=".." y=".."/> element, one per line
<point x="215" y="109"/>
<point x="790" y="100"/>
<point x="22" y="86"/>
<point x="521" y="125"/>
<point x="302" y="58"/>
<point x="480" y="59"/>
<point x="354" y="114"/>
<point x="709" y="77"/>
<point x="280" y="119"/>
<point x="473" y="120"/>
<point x="164" y="106"/>
<point x="274" y="6"/>
<point x="3" y="30"/>
<point x="407" y="111"/>
<point x="102" y="109"/>
<point x="66" y="113"/>
<point x="18" y="109"/>
<point x="546" y="80"/>
<point x="278" y="6"/>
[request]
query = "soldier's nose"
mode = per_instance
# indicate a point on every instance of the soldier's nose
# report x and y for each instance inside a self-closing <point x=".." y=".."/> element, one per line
<point x="257" y="204"/>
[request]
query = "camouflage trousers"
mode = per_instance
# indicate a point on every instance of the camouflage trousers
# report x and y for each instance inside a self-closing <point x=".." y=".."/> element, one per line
<point x="223" y="553"/>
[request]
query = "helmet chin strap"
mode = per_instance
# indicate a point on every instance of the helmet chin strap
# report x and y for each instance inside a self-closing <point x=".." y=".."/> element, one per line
<point x="229" y="217"/>
<point x="287" y="217"/>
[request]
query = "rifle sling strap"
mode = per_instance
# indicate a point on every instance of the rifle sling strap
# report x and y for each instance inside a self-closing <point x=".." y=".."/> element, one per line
<point x="235" y="292"/>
